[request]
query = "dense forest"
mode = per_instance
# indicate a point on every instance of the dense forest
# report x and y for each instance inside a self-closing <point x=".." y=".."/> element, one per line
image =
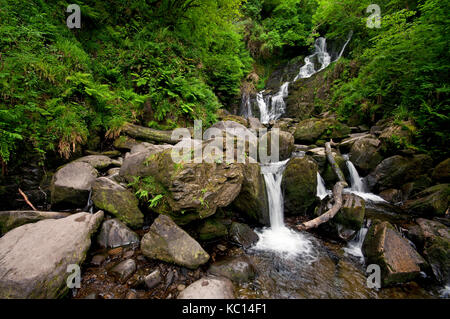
<point x="165" y="63"/>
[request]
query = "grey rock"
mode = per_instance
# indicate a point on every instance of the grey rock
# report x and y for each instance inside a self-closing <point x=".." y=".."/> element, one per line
<point x="114" y="234"/>
<point x="153" y="279"/>
<point x="237" y="269"/>
<point x="13" y="219"/>
<point x="124" y="270"/>
<point x="209" y="288"/>
<point x="243" y="235"/>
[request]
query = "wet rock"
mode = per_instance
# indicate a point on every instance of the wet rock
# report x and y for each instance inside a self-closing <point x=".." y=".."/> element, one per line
<point x="433" y="201"/>
<point x="284" y="140"/>
<point x="392" y="195"/>
<point x="285" y="125"/>
<point x="167" y="242"/>
<point x="420" y="183"/>
<point x="71" y="185"/>
<point x="243" y="235"/>
<point x="98" y="260"/>
<point x="114" y="234"/>
<point x="384" y="246"/>
<point x="124" y="143"/>
<point x="433" y="238"/>
<point x="254" y="124"/>
<point x="96" y="161"/>
<point x="441" y="172"/>
<point x="252" y="202"/>
<point x="124" y="270"/>
<point x="13" y="219"/>
<point x="311" y="130"/>
<point x="395" y="171"/>
<point x="153" y="279"/>
<point x="299" y="185"/>
<point x="211" y="228"/>
<point x="117" y="200"/>
<point x="394" y="135"/>
<point x="209" y="288"/>
<point x="346" y="145"/>
<point x="237" y="269"/>
<point x="169" y="278"/>
<point x="191" y="190"/>
<point x="34" y="257"/>
<point x="365" y="154"/>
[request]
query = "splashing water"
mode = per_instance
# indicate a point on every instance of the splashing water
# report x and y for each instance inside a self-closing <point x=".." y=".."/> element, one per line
<point x="272" y="107"/>
<point x="321" y="192"/>
<point x="354" y="247"/>
<point x="278" y="238"/>
<point x="358" y="186"/>
<point x="246" y="106"/>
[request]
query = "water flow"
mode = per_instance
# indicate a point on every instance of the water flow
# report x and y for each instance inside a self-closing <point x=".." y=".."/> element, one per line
<point x="278" y="238"/>
<point x="358" y="186"/>
<point x="246" y="106"/>
<point x="272" y="107"/>
<point x="321" y="192"/>
<point x="320" y="55"/>
<point x="354" y="247"/>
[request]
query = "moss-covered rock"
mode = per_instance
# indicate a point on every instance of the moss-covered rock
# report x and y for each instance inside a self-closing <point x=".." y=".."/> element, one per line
<point x="238" y="269"/>
<point x="433" y="201"/>
<point x="211" y="228"/>
<point x="365" y="154"/>
<point x="284" y="140"/>
<point x="299" y="185"/>
<point x="118" y="201"/>
<point x="441" y="172"/>
<point x="243" y="235"/>
<point x="167" y="242"/>
<point x="13" y="219"/>
<point x="252" y="202"/>
<point x="311" y="130"/>
<point x="398" y="260"/>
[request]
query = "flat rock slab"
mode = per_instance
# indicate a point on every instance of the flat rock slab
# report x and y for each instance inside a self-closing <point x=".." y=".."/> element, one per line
<point x="34" y="257"/>
<point x="167" y="242"/>
<point x="15" y="218"/>
<point x="209" y="288"/>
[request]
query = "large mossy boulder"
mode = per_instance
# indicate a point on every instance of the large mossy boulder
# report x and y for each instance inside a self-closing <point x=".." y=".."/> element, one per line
<point x="211" y="228"/>
<point x="118" y="201"/>
<point x="311" y="130"/>
<point x="284" y="140"/>
<point x="71" y="184"/>
<point x="441" y="172"/>
<point x="34" y="257"/>
<point x="433" y="201"/>
<point x="398" y="260"/>
<point x="168" y="242"/>
<point x="252" y="202"/>
<point x="365" y="154"/>
<point x="395" y="171"/>
<point x="433" y="239"/>
<point x="299" y="186"/>
<point x="190" y="191"/>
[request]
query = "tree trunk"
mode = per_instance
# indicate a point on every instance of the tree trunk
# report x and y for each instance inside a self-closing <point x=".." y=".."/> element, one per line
<point x="148" y="134"/>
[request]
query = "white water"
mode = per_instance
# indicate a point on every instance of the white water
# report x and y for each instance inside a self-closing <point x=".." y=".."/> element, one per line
<point x="321" y="192"/>
<point x="278" y="238"/>
<point x="358" y="186"/>
<point x="354" y="247"/>
<point x="272" y="107"/>
<point x="246" y="106"/>
<point x="321" y="55"/>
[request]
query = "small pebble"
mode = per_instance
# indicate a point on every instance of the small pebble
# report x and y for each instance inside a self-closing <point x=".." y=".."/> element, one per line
<point x="181" y="287"/>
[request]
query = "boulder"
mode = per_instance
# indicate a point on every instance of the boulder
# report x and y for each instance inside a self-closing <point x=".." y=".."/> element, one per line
<point x="209" y="288"/>
<point x="285" y="144"/>
<point x="167" y="242"/>
<point x="419" y="184"/>
<point x="125" y="143"/>
<point x="313" y="129"/>
<point x="13" y="219"/>
<point x="211" y="228"/>
<point x="190" y="190"/>
<point x="97" y="161"/>
<point x="118" y="201"/>
<point x="254" y="124"/>
<point x="285" y="125"/>
<point x="153" y="279"/>
<point x="346" y="145"/>
<point x="395" y="171"/>
<point x="123" y="270"/>
<point x="395" y="136"/>
<point x="441" y="172"/>
<point x="398" y="260"/>
<point x="433" y="201"/>
<point x="71" y="184"/>
<point x="392" y="195"/>
<point x="237" y="269"/>
<point x="34" y="257"/>
<point x="114" y="234"/>
<point x="433" y="238"/>
<point x="243" y="235"/>
<point x="252" y="202"/>
<point x="365" y="154"/>
<point x="299" y="185"/>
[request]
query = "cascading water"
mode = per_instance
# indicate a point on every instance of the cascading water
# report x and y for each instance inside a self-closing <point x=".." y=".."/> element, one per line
<point x="278" y="238"/>
<point x="272" y="107"/>
<point x="246" y="106"/>
<point x="321" y="192"/>
<point x="354" y="247"/>
<point x="358" y="186"/>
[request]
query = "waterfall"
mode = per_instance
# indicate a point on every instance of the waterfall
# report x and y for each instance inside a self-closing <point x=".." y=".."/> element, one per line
<point x="246" y="106"/>
<point x="320" y="55"/>
<point x="272" y="107"/>
<point x="358" y="186"/>
<point x="321" y="192"/>
<point x="345" y="45"/>
<point x="278" y="238"/>
<point x="354" y="247"/>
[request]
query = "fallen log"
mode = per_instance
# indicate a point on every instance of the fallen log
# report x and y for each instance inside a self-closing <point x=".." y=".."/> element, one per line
<point x="148" y="134"/>
<point x="25" y="197"/>
<point x="337" y="194"/>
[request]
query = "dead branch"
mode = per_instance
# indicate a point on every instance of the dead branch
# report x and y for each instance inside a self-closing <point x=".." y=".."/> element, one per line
<point x="25" y="197"/>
